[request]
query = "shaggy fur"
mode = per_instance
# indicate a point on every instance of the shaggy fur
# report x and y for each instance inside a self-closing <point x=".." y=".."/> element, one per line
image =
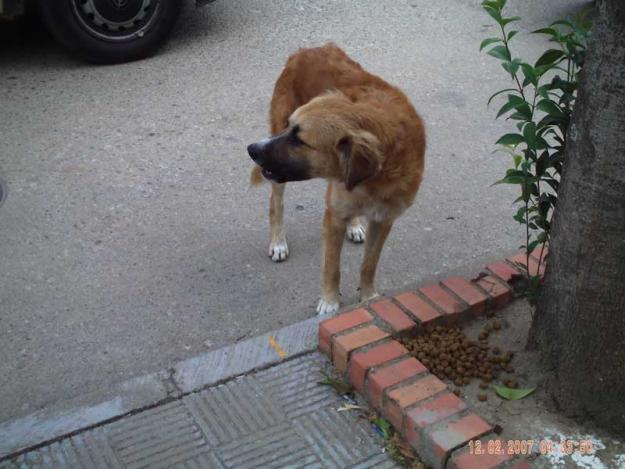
<point x="331" y="119"/>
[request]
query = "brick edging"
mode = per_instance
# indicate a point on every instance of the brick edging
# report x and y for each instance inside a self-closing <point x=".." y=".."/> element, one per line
<point x="435" y="422"/>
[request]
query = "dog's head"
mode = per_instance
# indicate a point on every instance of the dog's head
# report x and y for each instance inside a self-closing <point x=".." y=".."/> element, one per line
<point x="324" y="138"/>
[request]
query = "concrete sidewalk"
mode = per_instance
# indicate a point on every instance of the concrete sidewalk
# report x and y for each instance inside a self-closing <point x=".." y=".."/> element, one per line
<point x="277" y="417"/>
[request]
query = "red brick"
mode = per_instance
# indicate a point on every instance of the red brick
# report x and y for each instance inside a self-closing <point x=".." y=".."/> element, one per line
<point x="393" y="315"/>
<point x="431" y="412"/>
<point x="405" y="396"/>
<point x="521" y="258"/>
<point x="469" y="294"/>
<point x="442" y="299"/>
<point x="388" y="376"/>
<point x="339" y="323"/>
<point x="466" y="460"/>
<point x="420" y="309"/>
<point x="504" y="271"/>
<point x="499" y="293"/>
<point x="361" y="362"/>
<point x="343" y="345"/>
<point x="441" y="442"/>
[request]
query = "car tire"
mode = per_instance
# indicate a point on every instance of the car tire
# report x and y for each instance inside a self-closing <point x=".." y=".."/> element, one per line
<point x="110" y="31"/>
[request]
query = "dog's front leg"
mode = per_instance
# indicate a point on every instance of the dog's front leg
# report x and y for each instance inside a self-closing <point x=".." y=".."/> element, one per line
<point x="278" y="248"/>
<point x="333" y="235"/>
<point x="377" y="233"/>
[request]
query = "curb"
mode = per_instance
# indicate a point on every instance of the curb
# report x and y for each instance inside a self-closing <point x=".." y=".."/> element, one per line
<point x="438" y="425"/>
<point x="129" y="397"/>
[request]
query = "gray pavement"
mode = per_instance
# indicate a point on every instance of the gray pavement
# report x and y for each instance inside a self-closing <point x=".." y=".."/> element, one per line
<point x="129" y="237"/>
<point x="278" y="417"/>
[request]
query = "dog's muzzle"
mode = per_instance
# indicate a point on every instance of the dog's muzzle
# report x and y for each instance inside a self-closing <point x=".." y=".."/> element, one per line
<point x="272" y="155"/>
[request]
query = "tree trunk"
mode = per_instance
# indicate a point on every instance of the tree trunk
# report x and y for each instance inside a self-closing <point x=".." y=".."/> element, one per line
<point x="579" y="324"/>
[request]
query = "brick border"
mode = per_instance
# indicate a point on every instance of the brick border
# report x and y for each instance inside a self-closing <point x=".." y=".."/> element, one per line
<point x="361" y="344"/>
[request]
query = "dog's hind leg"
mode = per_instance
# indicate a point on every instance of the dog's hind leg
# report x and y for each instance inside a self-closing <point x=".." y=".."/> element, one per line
<point x="356" y="230"/>
<point x="377" y="233"/>
<point x="278" y="248"/>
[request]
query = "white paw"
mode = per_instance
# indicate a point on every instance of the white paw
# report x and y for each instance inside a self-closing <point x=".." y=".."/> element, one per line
<point x="279" y="250"/>
<point x="327" y="307"/>
<point x="366" y="296"/>
<point x="356" y="233"/>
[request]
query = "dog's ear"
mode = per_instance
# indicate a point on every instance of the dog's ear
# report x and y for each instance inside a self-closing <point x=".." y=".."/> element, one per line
<point x="360" y="157"/>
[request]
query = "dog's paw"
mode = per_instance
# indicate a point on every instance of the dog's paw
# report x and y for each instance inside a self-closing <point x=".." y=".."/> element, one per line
<point x="356" y="233"/>
<point x="368" y="296"/>
<point x="279" y="250"/>
<point x="327" y="307"/>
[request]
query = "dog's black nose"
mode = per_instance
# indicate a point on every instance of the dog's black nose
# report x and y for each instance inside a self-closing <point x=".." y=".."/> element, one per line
<point x="254" y="150"/>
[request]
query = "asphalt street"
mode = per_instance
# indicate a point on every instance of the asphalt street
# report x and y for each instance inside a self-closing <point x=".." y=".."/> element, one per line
<point x="129" y="238"/>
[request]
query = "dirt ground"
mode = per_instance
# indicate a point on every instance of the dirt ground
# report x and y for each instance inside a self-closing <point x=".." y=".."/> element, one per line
<point x="534" y="417"/>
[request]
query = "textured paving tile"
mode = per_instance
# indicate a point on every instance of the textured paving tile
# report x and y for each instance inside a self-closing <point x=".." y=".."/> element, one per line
<point x="232" y="410"/>
<point x="337" y="439"/>
<point x="86" y="450"/>
<point x="275" y="418"/>
<point x="377" y="461"/>
<point x="202" y="461"/>
<point x="294" y="385"/>
<point x="275" y="447"/>
<point x="160" y="437"/>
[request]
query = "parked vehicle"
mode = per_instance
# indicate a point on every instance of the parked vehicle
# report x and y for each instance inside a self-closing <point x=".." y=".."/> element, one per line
<point x="105" y="31"/>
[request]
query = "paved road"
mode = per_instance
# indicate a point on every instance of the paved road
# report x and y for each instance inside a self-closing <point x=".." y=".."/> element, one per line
<point x="129" y="236"/>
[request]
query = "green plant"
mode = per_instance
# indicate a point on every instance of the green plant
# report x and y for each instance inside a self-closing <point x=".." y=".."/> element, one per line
<point x="541" y="100"/>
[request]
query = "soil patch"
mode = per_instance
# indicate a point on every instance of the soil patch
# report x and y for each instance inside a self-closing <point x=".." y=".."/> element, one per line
<point x="491" y="351"/>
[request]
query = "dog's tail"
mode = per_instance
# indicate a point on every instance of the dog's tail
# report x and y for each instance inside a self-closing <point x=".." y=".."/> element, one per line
<point x="256" y="178"/>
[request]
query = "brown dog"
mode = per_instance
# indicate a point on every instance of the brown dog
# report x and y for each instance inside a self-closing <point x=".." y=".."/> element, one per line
<point x="332" y="119"/>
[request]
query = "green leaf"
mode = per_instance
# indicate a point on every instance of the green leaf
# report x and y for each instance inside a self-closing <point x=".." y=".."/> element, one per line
<point x="511" y="34"/>
<point x="505" y="108"/>
<point x="563" y="23"/>
<point x="522" y="109"/>
<point x="512" y="176"/>
<point x="500" y="52"/>
<point x="511" y="67"/>
<point x="489" y="41"/>
<point x="384" y="426"/>
<point x="493" y="12"/>
<point x="505" y="21"/>
<point x="549" y="57"/>
<point x="517" y="160"/>
<point x="549" y="31"/>
<point x="498" y="93"/>
<point x="512" y="394"/>
<point x="510" y="139"/>
<point x="529" y="134"/>
<point x="542" y="91"/>
<point x="529" y="73"/>
<point x="520" y="214"/>
<point x="549" y="107"/>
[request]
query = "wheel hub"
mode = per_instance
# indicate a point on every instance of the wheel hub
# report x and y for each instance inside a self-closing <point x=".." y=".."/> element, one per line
<point x="115" y="20"/>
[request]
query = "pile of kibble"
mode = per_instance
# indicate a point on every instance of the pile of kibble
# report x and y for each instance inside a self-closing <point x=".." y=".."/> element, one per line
<point x="449" y="354"/>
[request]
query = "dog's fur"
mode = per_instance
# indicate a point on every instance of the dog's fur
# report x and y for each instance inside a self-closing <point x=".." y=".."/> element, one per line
<point x="332" y="119"/>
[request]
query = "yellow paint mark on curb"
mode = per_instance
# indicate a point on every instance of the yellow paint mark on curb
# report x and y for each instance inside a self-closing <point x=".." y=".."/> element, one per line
<point x="276" y="346"/>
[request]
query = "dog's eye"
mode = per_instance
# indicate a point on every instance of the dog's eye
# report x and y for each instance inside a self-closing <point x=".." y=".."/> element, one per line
<point x="294" y="137"/>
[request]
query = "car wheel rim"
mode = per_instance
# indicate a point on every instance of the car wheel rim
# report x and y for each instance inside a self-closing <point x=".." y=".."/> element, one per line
<point x="116" y="20"/>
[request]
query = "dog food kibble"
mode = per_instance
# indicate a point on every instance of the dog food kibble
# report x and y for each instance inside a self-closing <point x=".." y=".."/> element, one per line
<point x="450" y="355"/>
<point x="482" y="397"/>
